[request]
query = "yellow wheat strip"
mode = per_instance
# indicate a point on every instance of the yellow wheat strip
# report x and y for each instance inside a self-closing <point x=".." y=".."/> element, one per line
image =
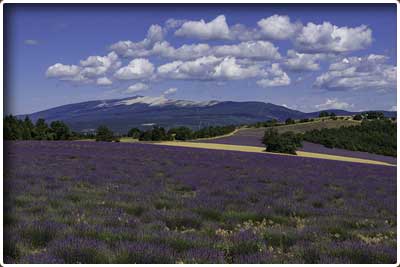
<point x="255" y="149"/>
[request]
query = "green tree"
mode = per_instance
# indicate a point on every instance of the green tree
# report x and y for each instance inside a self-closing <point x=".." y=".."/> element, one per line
<point x="159" y="134"/>
<point x="181" y="133"/>
<point x="28" y="129"/>
<point x="60" y="130"/>
<point x="104" y="134"/>
<point x="373" y="115"/>
<point x="134" y="133"/>
<point x="146" y="135"/>
<point x="323" y="114"/>
<point x="289" y="121"/>
<point x="12" y="128"/>
<point x="357" y="117"/>
<point x="374" y="136"/>
<point x="42" y="131"/>
<point x="286" y="142"/>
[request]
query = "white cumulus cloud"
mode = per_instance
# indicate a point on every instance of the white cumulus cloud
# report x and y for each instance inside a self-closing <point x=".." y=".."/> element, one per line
<point x="334" y="103"/>
<point x="327" y="37"/>
<point x="170" y="91"/>
<point x="139" y="68"/>
<point x="215" y="29"/>
<point x="137" y="87"/>
<point x="184" y="52"/>
<point x="296" y="61"/>
<point x="251" y="49"/>
<point x="59" y="70"/>
<point x="278" y="27"/>
<point x="368" y="72"/>
<point x="140" y="49"/>
<point x="208" y="68"/>
<point x="103" y="81"/>
<point x="275" y="76"/>
<point x="97" y="65"/>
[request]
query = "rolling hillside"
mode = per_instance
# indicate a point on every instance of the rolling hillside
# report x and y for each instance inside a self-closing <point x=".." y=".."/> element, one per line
<point x="253" y="137"/>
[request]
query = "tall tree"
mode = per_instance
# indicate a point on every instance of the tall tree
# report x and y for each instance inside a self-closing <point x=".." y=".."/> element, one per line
<point x="42" y="130"/>
<point x="60" y="130"/>
<point x="134" y="133"/>
<point x="104" y="134"/>
<point x="12" y="128"/>
<point x="28" y="129"/>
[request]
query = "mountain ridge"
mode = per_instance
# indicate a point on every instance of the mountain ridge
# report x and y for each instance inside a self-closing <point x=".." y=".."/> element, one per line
<point x="140" y="111"/>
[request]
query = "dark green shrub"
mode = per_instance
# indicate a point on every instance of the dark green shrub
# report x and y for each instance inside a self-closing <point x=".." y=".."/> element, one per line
<point x="287" y="142"/>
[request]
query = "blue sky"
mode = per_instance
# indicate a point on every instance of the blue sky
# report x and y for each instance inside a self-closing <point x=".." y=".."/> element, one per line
<point x="307" y="57"/>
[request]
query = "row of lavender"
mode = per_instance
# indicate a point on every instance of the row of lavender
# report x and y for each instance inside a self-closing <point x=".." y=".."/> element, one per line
<point x="83" y="202"/>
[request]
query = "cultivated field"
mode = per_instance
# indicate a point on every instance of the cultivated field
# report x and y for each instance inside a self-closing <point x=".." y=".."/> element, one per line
<point x="94" y="202"/>
<point x="253" y="137"/>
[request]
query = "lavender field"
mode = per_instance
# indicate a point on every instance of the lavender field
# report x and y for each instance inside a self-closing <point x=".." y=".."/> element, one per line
<point x="93" y="202"/>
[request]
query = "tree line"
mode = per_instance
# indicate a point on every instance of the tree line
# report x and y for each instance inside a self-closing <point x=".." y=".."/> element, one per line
<point x="179" y="133"/>
<point x="25" y="129"/>
<point x="18" y="129"/>
<point x="376" y="136"/>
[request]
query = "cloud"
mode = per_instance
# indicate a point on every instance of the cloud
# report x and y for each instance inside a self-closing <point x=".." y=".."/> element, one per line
<point x="356" y="73"/>
<point x="215" y="29"/>
<point x="136" y="88"/>
<point x="250" y="49"/>
<point x="140" y="49"/>
<point x="103" y="81"/>
<point x="275" y="76"/>
<point x="258" y="50"/>
<point x="87" y="71"/>
<point x="244" y="33"/>
<point x="247" y="55"/>
<point x="184" y="52"/>
<point x="208" y="68"/>
<point x="278" y="27"/>
<point x="326" y="37"/>
<point x="334" y="103"/>
<point x="174" y="23"/>
<point x="97" y="65"/>
<point x="62" y="71"/>
<point x="230" y="70"/>
<point x="296" y="61"/>
<point x="31" y="42"/>
<point x="139" y="68"/>
<point x="393" y="108"/>
<point x="170" y="91"/>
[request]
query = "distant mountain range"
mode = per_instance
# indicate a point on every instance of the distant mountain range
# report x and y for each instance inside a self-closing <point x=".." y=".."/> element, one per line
<point x="143" y="111"/>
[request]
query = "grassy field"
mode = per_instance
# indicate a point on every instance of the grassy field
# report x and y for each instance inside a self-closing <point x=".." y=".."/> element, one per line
<point x="128" y="140"/>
